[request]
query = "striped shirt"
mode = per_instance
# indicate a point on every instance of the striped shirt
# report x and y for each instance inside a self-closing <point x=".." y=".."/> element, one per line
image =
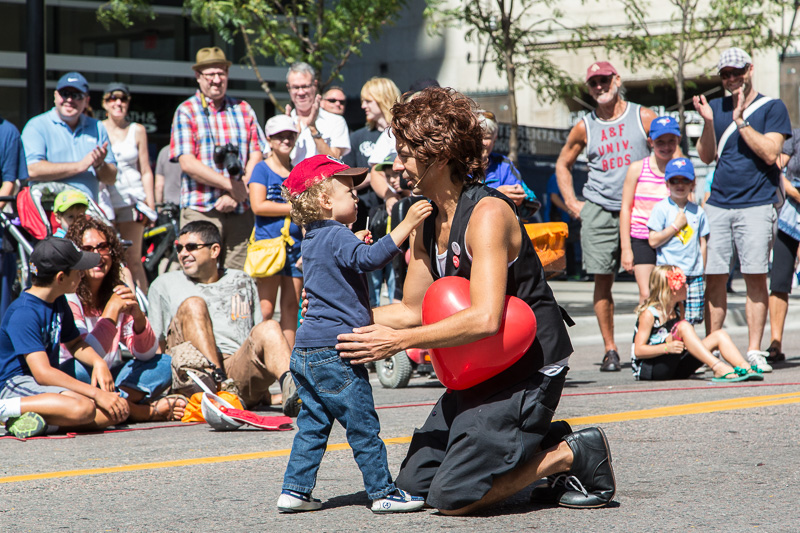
<point x="197" y="134"/>
<point x="650" y="189"/>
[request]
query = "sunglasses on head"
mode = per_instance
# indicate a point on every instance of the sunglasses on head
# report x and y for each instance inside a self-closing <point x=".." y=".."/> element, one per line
<point x="71" y="94"/>
<point x="122" y="97"/>
<point x="335" y="101"/>
<point x="102" y="248"/>
<point x="191" y="246"/>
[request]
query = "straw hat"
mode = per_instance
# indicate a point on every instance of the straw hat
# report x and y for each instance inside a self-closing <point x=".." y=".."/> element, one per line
<point x="207" y="57"/>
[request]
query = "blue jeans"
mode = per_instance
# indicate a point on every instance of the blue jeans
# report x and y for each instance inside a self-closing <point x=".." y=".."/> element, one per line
<point x="333" y="389"/>
<point x="152" y="377"/>
<point x="375" y="281"/>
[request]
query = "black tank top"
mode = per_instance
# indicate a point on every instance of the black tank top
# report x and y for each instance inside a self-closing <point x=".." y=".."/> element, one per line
<point x="526" y="280"/>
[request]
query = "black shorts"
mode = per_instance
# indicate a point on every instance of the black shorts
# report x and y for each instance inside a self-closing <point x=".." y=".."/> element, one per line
<point x="466" y="442"/>
<point x="669" y="366"/>
<point x="784" y="252"/>
<point x="643" y="254"/>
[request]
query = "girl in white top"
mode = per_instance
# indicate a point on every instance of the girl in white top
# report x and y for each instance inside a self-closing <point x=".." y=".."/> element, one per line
<point x="134" y="175"/>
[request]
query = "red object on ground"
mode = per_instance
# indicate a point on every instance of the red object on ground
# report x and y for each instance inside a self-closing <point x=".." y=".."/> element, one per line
<point x="462" y="367"/>
<point x="271" y="423"/>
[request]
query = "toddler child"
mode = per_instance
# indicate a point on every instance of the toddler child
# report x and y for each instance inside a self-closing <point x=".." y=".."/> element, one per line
<point x="679" y="233"/>
<point x="69" y="206"/>
<point x="667" y="347"/>
<point x="335" y="262"/>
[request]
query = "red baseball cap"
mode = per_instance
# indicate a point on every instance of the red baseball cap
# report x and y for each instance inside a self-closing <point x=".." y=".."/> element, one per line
<point x="600" y="68"/>
<point x="318" y="168"/>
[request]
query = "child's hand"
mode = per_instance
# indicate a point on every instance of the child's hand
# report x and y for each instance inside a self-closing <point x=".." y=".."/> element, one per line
<point x="419" y="212"/>
<point x="680" y="220"/>
<point x="674" y="346"/>
<point x="364" y="235"/>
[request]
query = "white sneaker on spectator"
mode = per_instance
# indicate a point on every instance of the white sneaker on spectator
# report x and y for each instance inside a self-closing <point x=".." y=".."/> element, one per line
<point x="758" y="359"/>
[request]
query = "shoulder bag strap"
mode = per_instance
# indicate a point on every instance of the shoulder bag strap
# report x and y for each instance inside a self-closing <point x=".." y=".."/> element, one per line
<point x="755" y="106"/>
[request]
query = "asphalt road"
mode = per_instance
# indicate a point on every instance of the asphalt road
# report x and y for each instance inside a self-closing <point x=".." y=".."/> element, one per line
<point x="688" y="455"/>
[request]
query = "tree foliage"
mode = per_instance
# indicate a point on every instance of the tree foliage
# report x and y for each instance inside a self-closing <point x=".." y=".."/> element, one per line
<point x="513" y="29"/>
<point x="692" y="32"/>
<point x="323" y="33"/>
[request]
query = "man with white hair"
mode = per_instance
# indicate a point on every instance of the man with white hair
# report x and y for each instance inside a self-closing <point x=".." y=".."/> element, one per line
<point x="321" y="132"/>
<point x="614" y="135"/>
<point x="744" y="133"/>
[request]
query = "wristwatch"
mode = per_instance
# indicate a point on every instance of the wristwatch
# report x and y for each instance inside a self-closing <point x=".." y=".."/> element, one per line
<point x="743" y="125"/>
<point x="317" y="135"/>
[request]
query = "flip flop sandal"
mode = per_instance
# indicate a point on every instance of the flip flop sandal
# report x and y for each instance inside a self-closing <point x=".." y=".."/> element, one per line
<point x="725" y="379"/>
<point x="172" y="400"/>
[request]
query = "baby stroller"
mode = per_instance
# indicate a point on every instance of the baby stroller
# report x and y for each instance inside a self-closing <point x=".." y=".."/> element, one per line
<point x="36" y="221"/>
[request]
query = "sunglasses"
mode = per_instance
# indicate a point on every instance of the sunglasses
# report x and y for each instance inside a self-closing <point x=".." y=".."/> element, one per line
<point x="601" y="80"/>
<point x="335" y="101"/>
<point x="102" y="248"/>
<point x="733" y="73"/>
<point x="113" y="97"/>
<point x="191" y="246"/>
<point x="71" y="94"/>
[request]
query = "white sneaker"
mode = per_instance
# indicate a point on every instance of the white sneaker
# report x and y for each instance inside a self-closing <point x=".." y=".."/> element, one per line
<point x="398" y="502"/>
<point x="758" y="359"/>
<point x="295" y="502"/>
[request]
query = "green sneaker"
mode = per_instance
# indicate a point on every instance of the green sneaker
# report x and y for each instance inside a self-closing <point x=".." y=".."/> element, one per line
<point x="26" y="426"/>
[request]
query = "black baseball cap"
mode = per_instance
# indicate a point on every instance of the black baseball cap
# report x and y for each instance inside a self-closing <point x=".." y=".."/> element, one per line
<point x="54" y="255"/>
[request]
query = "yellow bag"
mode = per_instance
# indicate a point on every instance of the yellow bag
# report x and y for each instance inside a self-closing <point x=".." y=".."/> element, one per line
<point x="267" y="257"/>
<point x="193" y="412"/>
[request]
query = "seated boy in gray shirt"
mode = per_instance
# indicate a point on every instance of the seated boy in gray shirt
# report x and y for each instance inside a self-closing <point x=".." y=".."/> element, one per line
<point x="335" y="260"/>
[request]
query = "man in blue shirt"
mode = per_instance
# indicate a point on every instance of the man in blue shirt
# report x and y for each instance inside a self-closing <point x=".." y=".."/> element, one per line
<point x="65" y="145"/>
<point x="745" y="133"/>
<point x="12" y="170"/>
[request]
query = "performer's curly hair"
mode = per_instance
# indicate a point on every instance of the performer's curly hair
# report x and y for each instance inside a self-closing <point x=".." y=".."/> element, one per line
<point x="114" y="277"/>
<point x="440" y="123"/>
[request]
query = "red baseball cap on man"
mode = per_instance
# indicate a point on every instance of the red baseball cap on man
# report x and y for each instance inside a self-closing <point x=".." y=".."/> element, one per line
<point x="600" y="68"/>
<point x="319" y="168"/>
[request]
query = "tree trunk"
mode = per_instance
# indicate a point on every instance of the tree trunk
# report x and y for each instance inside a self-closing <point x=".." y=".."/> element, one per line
<point x="511" y="78"/>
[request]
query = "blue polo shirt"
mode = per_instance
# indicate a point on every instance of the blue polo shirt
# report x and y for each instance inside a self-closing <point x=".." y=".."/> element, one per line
<point x="742" y="179"/>
<point x="12" y="155"/>
<point x="682" y="250"/>
<point x="48" y="138"/>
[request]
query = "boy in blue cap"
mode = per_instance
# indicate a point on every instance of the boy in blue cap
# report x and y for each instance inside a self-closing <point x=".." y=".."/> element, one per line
<point x="679" y="233"/>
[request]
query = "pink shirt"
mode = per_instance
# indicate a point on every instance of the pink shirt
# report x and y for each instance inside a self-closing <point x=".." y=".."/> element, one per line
<point x="650" y="189"/>
<point x="104" y="336"/>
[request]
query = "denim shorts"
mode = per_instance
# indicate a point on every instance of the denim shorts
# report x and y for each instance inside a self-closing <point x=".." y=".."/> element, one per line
<point x="152" y="377"/>
<point x="290" y="270"/>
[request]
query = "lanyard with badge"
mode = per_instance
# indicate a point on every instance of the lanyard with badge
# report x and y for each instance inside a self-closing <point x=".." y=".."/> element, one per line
<point x="226" y="156"/>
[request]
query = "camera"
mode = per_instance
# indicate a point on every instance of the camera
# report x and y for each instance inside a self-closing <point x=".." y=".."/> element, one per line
<point x="227" y="156"/>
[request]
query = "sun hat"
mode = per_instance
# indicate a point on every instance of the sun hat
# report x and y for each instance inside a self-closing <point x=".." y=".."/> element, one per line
<point x="210" y="56"/>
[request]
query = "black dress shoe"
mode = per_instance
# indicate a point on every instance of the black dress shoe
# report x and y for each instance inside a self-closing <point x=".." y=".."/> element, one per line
<point x="611" y="362"/>
<point x="591" y="465"/>
<point x="550" y="492"/>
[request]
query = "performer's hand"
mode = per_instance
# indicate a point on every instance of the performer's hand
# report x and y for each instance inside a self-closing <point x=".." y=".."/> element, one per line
<point x="368" y="344"/>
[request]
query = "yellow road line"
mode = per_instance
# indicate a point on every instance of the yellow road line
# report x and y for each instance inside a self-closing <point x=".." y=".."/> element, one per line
<point x="659" y="412"/>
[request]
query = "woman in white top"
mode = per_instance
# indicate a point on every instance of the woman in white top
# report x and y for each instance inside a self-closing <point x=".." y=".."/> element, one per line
<point x="134" y="176"/>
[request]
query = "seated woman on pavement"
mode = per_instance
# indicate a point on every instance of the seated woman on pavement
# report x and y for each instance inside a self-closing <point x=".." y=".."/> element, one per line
<point x="667" y="347"/>
<point x="106" y="312"/>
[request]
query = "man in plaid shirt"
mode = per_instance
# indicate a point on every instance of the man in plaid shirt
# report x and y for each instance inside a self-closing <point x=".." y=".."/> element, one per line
<point x="208" y="191"/>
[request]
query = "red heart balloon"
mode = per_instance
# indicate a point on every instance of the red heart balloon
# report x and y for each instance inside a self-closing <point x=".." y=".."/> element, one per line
<point x="462" y="367"/>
